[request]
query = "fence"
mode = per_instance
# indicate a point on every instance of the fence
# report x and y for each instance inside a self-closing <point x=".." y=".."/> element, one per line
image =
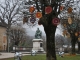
<point x="28" y="49"/>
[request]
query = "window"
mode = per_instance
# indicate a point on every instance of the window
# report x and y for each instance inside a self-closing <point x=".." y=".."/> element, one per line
<point x="40" y="44"/>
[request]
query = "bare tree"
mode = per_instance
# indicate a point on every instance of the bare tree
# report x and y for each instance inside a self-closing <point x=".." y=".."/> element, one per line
<point x="17" y="35"/>
<point x="47" y="21"/>
<point x="9" y="13"/>
<point x="70" y="20"/>
<point x="59" y="40"/>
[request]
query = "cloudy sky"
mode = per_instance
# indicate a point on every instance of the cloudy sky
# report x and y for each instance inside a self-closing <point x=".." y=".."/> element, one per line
<point x="31" y="31"/>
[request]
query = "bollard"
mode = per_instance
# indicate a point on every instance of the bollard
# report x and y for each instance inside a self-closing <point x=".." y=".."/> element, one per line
<point x="17" y="56"/>
<point x="33" y="53"/>
<point x="61" y="54"/>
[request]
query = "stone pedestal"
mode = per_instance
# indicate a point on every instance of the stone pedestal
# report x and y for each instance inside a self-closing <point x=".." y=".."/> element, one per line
<point x="38" y="45"/>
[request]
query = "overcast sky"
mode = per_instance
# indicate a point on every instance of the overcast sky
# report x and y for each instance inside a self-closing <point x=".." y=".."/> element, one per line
<point x="31" y="31"/>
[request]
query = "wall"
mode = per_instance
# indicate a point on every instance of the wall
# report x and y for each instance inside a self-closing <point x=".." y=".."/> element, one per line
<point x="3" y="38"/>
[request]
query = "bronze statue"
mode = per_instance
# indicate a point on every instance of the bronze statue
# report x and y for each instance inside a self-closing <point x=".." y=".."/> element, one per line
<point x="38" y="34"/>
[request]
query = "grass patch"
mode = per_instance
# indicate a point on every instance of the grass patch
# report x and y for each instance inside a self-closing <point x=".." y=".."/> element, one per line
<point x="77" y="57"/>
<point x="43" y="57"/>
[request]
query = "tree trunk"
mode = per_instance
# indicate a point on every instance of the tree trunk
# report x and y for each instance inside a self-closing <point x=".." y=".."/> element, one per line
<point x="73" y="42"/>
<point x="79" y="47"/>
<point x="50" y="46"/>
<point x="73" y="47"/>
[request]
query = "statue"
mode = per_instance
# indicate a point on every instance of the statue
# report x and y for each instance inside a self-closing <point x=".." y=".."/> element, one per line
<point x="38" y="34"/>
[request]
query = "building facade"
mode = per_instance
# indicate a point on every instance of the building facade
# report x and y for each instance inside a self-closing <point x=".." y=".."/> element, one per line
<point x="3" y="38"/>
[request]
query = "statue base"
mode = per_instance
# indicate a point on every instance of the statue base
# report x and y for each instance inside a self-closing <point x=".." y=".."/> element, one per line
<point x="38" y="45"/>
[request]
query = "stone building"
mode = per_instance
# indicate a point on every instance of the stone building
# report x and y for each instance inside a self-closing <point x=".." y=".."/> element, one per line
<point x="3" y="38"/>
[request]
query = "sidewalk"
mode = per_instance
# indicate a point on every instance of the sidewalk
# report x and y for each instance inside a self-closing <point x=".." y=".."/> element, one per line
<point x="8" y="55"/>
